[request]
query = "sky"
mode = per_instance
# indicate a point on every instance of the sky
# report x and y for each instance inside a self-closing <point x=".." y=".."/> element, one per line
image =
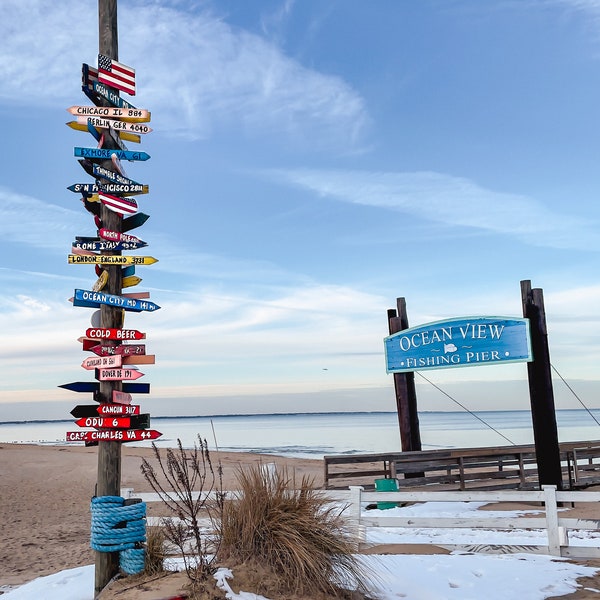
<point x="455" y="576"/>
<point x="311" y="162"/>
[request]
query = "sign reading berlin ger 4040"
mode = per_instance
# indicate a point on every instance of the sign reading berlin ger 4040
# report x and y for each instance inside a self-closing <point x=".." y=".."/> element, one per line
<point x="460" y="342"/>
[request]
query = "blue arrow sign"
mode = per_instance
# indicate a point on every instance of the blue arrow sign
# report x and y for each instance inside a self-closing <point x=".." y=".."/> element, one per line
<point x="92" y="299"/>
<point x="460" y="342"/>
<point x="106" y="154"/>
<point x="94" y="386"/>
<point x="128" y="270"/>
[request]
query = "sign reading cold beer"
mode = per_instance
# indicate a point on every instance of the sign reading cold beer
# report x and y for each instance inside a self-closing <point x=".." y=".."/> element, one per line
<point x="460" y="342"/>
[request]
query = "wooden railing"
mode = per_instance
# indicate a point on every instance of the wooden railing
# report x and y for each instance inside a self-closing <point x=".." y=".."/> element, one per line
<point x="501" y="467"/>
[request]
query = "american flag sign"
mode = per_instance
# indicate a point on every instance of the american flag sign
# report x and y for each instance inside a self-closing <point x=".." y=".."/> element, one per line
<point x="116" y="74"/>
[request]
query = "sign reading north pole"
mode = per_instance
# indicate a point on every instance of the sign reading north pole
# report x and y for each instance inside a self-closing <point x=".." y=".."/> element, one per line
<point x="460" y="342"/>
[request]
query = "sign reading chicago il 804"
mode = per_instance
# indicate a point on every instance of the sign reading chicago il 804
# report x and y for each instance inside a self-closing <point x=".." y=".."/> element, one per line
<point x="460" y="342"/>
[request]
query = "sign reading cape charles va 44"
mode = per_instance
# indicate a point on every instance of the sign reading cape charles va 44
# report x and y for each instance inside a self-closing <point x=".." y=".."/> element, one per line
<point x="459" y="342"/>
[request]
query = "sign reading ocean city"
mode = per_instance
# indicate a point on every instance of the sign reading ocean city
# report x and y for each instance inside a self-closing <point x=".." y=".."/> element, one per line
<point x="111" y="121"/>
<point x="459" y="342"/>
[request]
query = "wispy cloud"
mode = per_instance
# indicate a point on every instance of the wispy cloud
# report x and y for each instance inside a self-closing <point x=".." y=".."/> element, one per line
<point x="26" y="220"/>
<point x="195" y="71"/>
<point x="453" y="201"/>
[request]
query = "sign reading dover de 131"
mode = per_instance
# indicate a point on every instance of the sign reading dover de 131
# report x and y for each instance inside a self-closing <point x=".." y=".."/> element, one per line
<point x="460" y="342"/>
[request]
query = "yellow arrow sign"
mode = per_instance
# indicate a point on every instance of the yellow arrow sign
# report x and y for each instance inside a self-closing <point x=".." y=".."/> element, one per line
<point x="130" y="281"/>
<point x="99" y="259"/>
<point x="124" y="135"/>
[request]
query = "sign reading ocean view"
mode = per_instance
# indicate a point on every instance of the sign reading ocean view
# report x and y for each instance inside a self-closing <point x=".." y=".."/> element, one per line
<point x="459" y="342"/>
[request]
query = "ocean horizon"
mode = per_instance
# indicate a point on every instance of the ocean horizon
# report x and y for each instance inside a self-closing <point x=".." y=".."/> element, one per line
<point x="313" y="435"/>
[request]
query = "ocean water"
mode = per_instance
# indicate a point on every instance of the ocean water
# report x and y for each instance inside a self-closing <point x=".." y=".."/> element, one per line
<point x="311" y="435"/>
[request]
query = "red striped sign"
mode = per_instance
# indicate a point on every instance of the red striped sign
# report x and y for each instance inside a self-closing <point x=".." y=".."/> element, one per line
<point x="119" y="204"/>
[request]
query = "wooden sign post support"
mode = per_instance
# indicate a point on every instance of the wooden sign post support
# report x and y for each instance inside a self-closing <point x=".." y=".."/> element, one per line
<point x="541" y="394"/>
<point x="109" y="453"/>
<point x="404" y="384"/>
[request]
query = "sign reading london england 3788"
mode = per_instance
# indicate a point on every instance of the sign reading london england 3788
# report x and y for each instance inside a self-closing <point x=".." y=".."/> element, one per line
<point x="459" y="342"/>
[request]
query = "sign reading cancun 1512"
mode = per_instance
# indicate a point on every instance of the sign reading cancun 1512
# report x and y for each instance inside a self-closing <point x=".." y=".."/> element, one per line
<point x="460" y="342"/>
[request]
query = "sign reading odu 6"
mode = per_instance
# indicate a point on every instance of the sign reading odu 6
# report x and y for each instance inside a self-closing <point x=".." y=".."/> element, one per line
<point x="460" y="342"/>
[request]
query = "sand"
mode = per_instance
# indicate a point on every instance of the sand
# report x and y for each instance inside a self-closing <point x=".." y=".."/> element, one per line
<point x="44" y="506"/>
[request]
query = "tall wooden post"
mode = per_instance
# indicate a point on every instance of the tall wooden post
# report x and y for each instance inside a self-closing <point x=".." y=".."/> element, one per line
<point x="541" y="394"/>
<point x="404" y="385"/>
<point x="109" y="453"/>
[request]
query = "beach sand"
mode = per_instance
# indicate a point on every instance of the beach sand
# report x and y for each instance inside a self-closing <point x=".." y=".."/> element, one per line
<point x="44" y="506"/>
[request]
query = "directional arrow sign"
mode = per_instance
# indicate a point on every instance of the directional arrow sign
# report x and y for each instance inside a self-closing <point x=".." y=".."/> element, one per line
<point x="99" y="245"/>
<point x="130" y="281"/>
<point x="113" y="435"/>
<point x="94" y="299"/>
<point x="124" y="350"/>
<point x="86" y="410"/>
<point x="107" y="174"/>
<point x="119" y="204"/>
<point x="121" y="397"/>
<point x="100" y="259"/>
<point x="114" y="409"/>
<point x="94" y="386"/>
<point x="115" y="236"/>
<point x="107" y="154"/>
<point x="139" y="359"/>
<point x="118" y="374"/>
<point x="114" y="124"/>
<point x="125" y="135"/>
<point x="115" y="422"/>
<point x="134" y="221"/>
<point x="104" y="422"/>
<point x="96" y="362"/>
<point x="138" y="115"/>
<point x="115" y="334"/>
<point x="112" y="188"/>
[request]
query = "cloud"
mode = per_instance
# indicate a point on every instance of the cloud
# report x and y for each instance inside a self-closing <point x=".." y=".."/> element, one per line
<point x="450" y="200"/>
<point x="29" y="221"/>
<point x="195" y="71"/>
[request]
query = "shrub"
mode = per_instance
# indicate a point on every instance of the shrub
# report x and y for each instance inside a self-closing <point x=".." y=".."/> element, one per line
<point x="296" y="533"/>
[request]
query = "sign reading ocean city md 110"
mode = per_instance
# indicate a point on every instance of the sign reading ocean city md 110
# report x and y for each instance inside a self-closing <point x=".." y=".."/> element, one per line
<point x="459" y="342"/>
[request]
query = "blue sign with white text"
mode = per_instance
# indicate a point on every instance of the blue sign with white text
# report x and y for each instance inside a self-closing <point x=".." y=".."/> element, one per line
<point x="460" y="342"/>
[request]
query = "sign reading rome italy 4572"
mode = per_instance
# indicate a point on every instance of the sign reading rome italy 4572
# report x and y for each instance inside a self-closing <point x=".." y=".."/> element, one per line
<point x="460" y="342"/>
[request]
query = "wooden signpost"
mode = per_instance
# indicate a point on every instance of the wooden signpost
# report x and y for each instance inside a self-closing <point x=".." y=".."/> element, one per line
<point x="110" y="120"/>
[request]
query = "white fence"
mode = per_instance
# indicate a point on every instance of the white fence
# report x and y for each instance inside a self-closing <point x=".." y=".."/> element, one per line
<point x="556" y="528"/>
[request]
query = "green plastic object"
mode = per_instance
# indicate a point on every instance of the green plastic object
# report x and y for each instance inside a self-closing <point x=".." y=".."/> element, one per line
<point x="386" y="485"/>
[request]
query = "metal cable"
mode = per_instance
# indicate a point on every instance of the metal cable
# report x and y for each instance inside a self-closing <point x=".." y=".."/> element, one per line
<point x="574" y="394"/>
<point x="464" y="408"/>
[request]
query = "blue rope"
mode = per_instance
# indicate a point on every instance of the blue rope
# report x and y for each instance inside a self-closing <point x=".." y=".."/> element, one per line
<point x="118" y="528"/>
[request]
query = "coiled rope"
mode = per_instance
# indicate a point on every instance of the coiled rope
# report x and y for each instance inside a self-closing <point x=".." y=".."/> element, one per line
<point x="119" y="528"/>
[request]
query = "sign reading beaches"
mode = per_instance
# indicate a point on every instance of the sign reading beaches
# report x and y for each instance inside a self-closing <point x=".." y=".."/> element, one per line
<point x="459" y="342"/>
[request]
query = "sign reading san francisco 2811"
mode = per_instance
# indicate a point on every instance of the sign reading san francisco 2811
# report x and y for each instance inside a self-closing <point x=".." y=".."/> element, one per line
<point x="459" y="342"/>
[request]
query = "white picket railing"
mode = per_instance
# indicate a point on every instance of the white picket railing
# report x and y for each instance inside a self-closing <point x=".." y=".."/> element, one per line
<point x="555" y="527"/>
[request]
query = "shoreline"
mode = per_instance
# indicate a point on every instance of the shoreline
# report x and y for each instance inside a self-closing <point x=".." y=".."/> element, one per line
<point x="46" y="493"/>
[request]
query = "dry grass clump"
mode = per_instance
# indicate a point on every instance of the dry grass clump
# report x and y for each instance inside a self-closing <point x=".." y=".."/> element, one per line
<point x="155" y="550"/>
<point x="296" y="534"/>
